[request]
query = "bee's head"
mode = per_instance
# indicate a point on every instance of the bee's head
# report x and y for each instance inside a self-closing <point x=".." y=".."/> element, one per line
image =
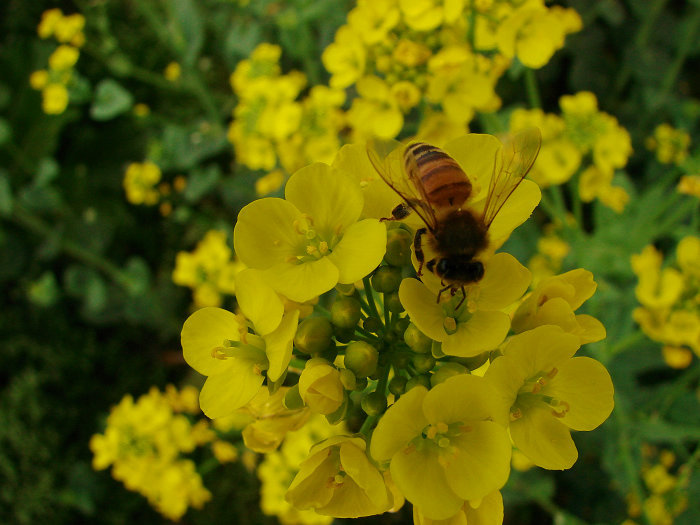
<point x="459" y="269"/>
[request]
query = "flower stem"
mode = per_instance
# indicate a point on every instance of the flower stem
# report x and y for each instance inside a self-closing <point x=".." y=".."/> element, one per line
<point x="533" y="92"/>
<point x="371" y="304"/>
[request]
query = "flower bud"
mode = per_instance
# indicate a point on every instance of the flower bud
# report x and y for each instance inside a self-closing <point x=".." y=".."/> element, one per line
<point x="446" y="371"/>
<point x="398" y="247"/>
<point x="320" y="387"/>
<point x="393" y="303"/>
<point x="386" y="279"/>
<point x="421" y="380"/>
<point x="472" y="363"/>
<point x="313" y="335"/>
<point x="397" y="385"/>
<point x="417" y="340"/>
<point x="292" y="399"/>
<point x="423" y="363"/>
<point x="372" y="324"/>
<point x="361" y="358"/>
<point x="401" y="325"/>
<point x="345" y="312"/>
<point x="348" y="379"/>
<point x="373" y="404"/>
<point x="360" y="384"/>
<point x="401" y="359"/>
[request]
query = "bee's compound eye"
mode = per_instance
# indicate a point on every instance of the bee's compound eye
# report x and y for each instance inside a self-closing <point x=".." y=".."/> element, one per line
<point x="442" y="267"/>
<point x="474" y="271"/>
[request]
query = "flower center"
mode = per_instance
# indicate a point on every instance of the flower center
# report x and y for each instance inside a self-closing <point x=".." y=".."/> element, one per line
<point x="315" y="245"/>
<point x="532" y="394"/>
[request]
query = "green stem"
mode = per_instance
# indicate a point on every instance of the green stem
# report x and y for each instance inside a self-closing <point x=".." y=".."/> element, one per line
<point x="576" y="201"/>
<point x="680" y="386"/>
<point x="629" y="341"/>
<point x="682" y="210"/>
<point x="31" y="222"/>
<point x="533" y="92"/>
<point x="367" y="425"/>
<point x="684" y="48"/>
<point x="371" y="304"/>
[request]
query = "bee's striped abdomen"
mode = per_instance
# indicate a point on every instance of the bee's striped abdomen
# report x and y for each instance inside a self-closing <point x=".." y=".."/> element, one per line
<point x="444" y="182"/>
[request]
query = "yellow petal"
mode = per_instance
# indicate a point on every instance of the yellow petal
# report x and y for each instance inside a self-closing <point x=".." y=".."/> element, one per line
<point x="485" y="330"/>
<point x="422" y="307"/>
<point x="505" y="281"/>
<point x="324" y="194"/>
<point x="400" y="424"/>
<point x="421" y="478"/>
<point x="224" y="393"/>
<point x="585" y="385"/>
<point x="278" y="345"/>
<point x="360" y="250"/>
<point x="258" y="301"/>
<point x="544" y="439"/>
<point x="203" y="331"/>
<point x="515" y="211"/>
<point x="264" y="234"/>
<point x="304" y="281"/>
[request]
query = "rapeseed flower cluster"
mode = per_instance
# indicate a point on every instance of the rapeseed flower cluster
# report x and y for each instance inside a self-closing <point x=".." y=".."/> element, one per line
<point x="209" y="270"/>
<point x="145" y="443"/>
<point x="272" y="127"/>
<point x="406" y="54"/>
<point x="446" y="379"/>
<point x="582" y="140"/>
<point x="55" y="82"/>
<point x="667" y="487"/>
<point x="140" y="183"/>
<point x="669" y="297"/>
<point x="670" y="144"/>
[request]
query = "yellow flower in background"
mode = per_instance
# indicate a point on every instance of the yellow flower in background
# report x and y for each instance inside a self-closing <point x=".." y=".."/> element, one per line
<point x="54" y="99"/>
<point x="345" y="58"/>
<point x="320" y="387"/>
<point x="375" y="113"/>
<point x="547" y="392"/>
<point x="63" y="58"/>
<point x="670" y="299"/>
<point x="339" y="480"/>
<point x="144" y="442"/>
<point x="312" y="240"/>
<point x="209" y="270"/>
<point x="39" y="79"/>
<point x="596" y="183"/>
<point x="671" y="145"/>
<point x="172" y="72"/>
<point x="441" y="453"/>
<point x="690" y="185"/>
<point x="139" y="183"/>
<point x="373" y="19"/>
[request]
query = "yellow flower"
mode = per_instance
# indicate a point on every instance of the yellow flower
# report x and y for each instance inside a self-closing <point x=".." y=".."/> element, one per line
<point x="373" y="19"/>
<point x="426" y="15"/>
<point x="63" y="58"/>
<point x="554" y="301"/>
<point x="224" y="451"/>
<point x="49" y="19"/>
<point x="690" y="185"/>
<point x="547" y="392"/>
<point x="320" y="387"/>
<point x="311" y="241"/>
<point x="140" y="181"/>
<point x="486" y="511"/>
<point x="671" y="144"/>
<point x="69" y="29"/>
<point x="444" y="453"/>
<point x="478" y="324"/>
<point x="339" y="480"/>
<point x="54" y="99"/>
<point x="345" y="58"/>
<point x="172" y="72"/>
<point x="39" y="79"/>
<point x="375" y="113"/>
<point x="410" y="54"/>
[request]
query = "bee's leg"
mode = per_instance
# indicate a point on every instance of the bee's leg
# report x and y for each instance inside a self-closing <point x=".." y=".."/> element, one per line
<point x="418" y="248"/>
<point x="449" y="286"/>
<point x="464" y="296"/>
<point x="400" y="212"/>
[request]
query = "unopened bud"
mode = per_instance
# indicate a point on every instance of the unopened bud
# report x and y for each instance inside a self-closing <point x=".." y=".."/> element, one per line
<point x="372" y="324"/>
<point x="398" y="247"/>
<point x="386" y="279"/>
<point x="348" y="379"/>
<point x="345" y="312"/>
<point x="361" y="384"/>
<point x="446" y="371"/>
<point x="401" y="325"/>
<point x="421" y="380"/>
<point x="313" y="335"/>
<point x="393" y="303"/>
<point x="373" y="404"/>
<point x="397" y="385"/>
<point x="423" y="363"/>
<point x="292" y="399"/>
<point x="361" y="358"/>
<point x="417" y="340"/>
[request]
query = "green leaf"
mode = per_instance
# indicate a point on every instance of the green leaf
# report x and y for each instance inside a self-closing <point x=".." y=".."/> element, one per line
<point x="44" y="291"/>
<point x="200" y="182"/>
<point x="5" y="195"/>
<point x="111" y="100"/>
<point x="190" y="36"/>
<point x="138" y="276"/>
<point x="46" y="171"/>
<point x="5" y="131"/>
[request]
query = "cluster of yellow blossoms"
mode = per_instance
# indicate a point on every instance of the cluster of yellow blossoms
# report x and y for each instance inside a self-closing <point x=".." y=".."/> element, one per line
<point x="272" y="127"/>
<point x="670" y="144"/>
<point x="144" y="443"/>
<point x="670" y="300"/>
<point x="209" y="270"/>
<point x="445" y="384"/>
<point x="404" y="54"/>
<point x="54" y="82"/>
<point x="143" y="187"/>
<point x="668" y="496"/>
<point x="582" y="136"/>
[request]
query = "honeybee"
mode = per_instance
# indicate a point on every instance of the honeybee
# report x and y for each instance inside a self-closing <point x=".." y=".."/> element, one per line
<point x="436" y="188"/>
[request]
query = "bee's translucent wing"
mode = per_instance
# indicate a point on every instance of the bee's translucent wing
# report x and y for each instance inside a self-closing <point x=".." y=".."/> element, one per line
<point x="387" y="159"/>
<point x="511" y="166"/>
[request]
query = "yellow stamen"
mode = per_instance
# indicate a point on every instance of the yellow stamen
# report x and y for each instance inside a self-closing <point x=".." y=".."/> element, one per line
<point x="450" y="325"/>
<point x="516" y="414"/>
<point x="311" y="250"/>
<point x="323" y="247"/>
<point x="218" y="353"/>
